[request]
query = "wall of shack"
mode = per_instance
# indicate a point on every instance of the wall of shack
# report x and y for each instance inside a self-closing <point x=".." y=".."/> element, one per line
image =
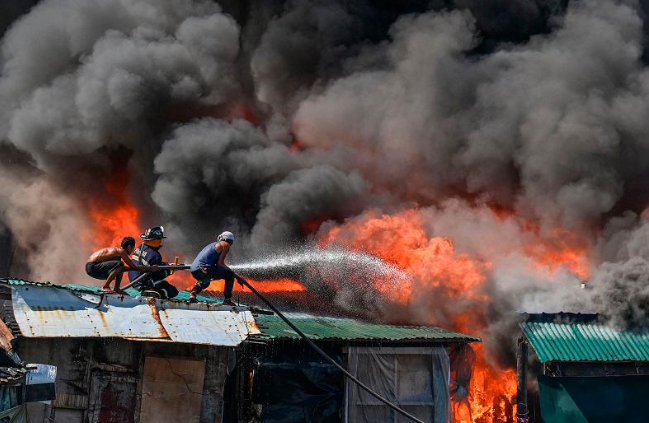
<point x="106" y="380"/>
<point x="286" y="381"/>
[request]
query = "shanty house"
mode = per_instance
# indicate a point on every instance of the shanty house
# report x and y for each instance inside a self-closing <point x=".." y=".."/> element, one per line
<point x="140" y="360"/>
<point x="408" y="365"/>
<point x="589" y="372"/>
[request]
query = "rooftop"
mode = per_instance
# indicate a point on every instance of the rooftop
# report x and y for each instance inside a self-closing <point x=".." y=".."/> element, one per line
<point x="42" y="309"/>
<point x="338" y="328"/>
<point x="583" y="337"/>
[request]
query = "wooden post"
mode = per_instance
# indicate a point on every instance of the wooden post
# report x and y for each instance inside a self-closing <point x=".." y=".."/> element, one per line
<point x="216" y="371"/>
<point x="522" y="415"/>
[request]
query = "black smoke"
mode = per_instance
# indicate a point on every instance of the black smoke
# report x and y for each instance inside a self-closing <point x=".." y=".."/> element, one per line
<point x="267" y="118"/>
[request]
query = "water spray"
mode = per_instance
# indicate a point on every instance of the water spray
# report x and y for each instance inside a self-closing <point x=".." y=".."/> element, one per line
<point x="328" y="264"/>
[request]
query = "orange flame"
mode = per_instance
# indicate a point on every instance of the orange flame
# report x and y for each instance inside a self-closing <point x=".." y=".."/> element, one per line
<point x="183" y="280"/>
<point x="296" y="145"/>
<point x="433" y="263"/>
<point x="113" y="216"/>
<point x="276" y="285"/>
<point x="564" y="249"/>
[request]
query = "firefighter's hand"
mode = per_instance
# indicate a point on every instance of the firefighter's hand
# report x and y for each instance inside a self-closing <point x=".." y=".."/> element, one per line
<point x="154" y="268"/>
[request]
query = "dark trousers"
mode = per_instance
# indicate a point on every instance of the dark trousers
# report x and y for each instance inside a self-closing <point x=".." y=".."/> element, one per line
<point x="103" y="269"/>
<point x="164" y="288"/>
<point x="212" y="274"/>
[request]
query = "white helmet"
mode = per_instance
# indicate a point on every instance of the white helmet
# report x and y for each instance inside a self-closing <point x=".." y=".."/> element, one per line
<point x="226" y="236"/>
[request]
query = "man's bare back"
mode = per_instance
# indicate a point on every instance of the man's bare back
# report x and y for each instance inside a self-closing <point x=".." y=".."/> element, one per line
<point x="106" y="254"/>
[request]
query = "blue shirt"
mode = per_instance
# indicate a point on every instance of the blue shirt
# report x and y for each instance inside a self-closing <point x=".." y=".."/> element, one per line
<point x="147" y="256"/>
<point x="208" y="257"/>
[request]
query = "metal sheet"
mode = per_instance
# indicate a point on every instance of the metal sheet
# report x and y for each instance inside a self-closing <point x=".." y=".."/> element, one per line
<point x="581" y="337"/>
<point x="319" y="327"/>
<point x="46" y="312"/>
<point x="186" y="325"/>
<point x="53" y="312"/>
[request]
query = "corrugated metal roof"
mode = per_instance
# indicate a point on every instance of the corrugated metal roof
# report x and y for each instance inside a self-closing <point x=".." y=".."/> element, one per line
<point x="331" y="328"/>
<point x="574" y="337"/>
<point x="188" y="325"/>
<point x="43" y="312"/>
<point x="54" y="311"/>
<point x="183" y="322"/>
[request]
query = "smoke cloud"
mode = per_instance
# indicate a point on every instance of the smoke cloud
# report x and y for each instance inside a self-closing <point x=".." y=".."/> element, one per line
<point x="511" y="129"/>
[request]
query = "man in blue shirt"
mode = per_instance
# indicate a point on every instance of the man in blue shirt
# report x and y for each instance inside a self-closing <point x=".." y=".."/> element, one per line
<point x="210" y="265"/>
<point x="148" y="254"/>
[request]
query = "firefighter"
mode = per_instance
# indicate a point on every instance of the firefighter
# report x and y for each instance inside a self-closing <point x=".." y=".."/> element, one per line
<point x="210" y="265"/>
<point x="108" y="264"/>
<point x="148" y="253"/>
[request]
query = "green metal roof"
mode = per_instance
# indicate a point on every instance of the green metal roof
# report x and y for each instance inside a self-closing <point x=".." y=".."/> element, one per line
<point x="316" y="327"/>
<point x="579" y="337"/>
<point x="335" y="328"/>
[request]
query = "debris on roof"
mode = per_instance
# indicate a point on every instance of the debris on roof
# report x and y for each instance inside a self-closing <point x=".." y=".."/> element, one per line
<point x="10" y="375"/>
<point x="582" y="337"/>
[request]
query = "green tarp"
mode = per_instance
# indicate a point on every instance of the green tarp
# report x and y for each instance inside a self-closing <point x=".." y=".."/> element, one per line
<point x="594" y="399"/>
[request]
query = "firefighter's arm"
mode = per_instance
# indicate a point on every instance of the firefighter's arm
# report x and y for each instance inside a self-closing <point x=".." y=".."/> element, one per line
<point x="135" y="266"/>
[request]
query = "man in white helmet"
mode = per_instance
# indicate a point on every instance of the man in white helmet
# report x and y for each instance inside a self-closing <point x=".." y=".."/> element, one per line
<point x="210" y="265"/>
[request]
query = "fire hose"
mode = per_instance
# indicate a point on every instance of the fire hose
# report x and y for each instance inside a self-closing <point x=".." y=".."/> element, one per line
<point x="160" y="267"/>
<point x="325" y="355"/>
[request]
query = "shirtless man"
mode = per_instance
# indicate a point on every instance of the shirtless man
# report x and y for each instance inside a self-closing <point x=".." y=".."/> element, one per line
<point x="210" y="265"/>
<point x="108" y="264"/>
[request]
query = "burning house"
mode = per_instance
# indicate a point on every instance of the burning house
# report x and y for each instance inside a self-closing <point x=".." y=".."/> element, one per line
<point x="492" y="152"/>
<point x="588" y="371"/>
<point x="144" y="360"/>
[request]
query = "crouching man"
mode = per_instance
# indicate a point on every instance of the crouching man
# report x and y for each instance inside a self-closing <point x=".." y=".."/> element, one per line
<point x="108" y="264"/>
<point x="210" y="265"/>
<point x="148" y="253"/>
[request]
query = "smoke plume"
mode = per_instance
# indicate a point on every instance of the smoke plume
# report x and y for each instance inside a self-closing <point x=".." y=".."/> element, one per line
<point x="510" y="133"/>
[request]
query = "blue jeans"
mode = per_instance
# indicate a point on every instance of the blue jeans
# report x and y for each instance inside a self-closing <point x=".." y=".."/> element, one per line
<point x="212" y="274"/>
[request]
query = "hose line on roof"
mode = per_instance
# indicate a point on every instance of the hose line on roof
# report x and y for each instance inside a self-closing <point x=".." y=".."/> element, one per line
<point x="326" y="357"/>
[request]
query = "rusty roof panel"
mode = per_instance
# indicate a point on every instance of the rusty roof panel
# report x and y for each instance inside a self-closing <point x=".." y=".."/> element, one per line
<point x="52" y="312"/>
<point x="45" y="312"/>
<point x="206" y="327"/>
